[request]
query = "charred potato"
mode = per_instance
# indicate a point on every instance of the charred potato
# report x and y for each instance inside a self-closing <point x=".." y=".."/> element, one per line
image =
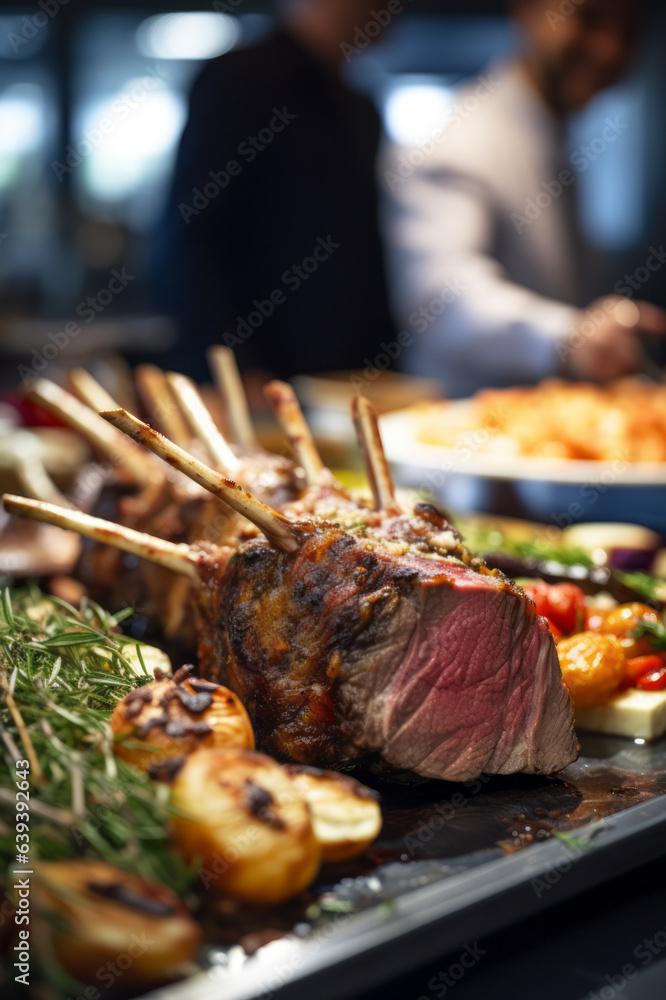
<point x="346" y="815"/>
<point x="97" y="918"/>
<point x="173" y="717"/>
<point x="239" y="812"/>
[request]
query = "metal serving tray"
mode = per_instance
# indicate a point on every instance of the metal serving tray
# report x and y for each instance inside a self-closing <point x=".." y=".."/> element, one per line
<point x="453" y="863"/>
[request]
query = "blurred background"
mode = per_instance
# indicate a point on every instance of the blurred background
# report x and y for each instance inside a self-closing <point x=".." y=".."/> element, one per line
<point x="76" y="203"/>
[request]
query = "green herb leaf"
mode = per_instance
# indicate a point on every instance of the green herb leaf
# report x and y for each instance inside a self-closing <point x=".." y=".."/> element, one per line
<point x="68" y="674"/>
<point x="654" y="632"/>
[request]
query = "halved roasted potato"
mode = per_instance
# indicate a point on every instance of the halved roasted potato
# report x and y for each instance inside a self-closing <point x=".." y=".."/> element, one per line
<point x="173" y="717"/>
<point x="96" y="918"/>
<point x="346" y="815"/>
<point x="241" y="814"/>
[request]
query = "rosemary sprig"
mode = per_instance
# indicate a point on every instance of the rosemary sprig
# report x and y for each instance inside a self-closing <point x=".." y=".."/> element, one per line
<point x="62" y="670"/>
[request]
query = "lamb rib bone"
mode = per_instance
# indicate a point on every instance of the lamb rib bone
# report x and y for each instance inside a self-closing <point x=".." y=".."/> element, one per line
<point x="35" y="480"/>
<point x="372" y="450"/>
<point x="180" y="558"/>
<point x="287" y="409"/>
<point x="230" y="387"/>
<point x="202" y="423"/>
<point x="90" y="391"/>
<point x="277" y="528"/>
<point x="74" y="413"/>
<point x="159" y="402"/>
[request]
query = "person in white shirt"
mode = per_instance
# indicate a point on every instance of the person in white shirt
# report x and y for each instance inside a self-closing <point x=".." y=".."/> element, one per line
<point x="490" y="271"/>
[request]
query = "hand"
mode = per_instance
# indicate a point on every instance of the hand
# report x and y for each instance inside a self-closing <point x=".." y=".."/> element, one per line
<point x="606" y="342"/>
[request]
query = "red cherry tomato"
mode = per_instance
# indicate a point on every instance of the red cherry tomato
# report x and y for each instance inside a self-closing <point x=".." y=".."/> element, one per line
<point x="556" y="632"/>
<point x="638" y="666"/>
<point x="563" y="604"/>
<point x="654" y="681"/>
<point x="33" y="415"/>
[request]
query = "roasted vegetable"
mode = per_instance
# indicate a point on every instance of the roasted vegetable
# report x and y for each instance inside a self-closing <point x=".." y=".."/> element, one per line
<point x="173" y="717"/>
<point x="593" y="667"/>
<point x="562" y="604"/>
<point x="625" y="618"/>
<point x="345" y="814"/>
<point x="624" y="621"/>
<point x="241" y="814"/>
<point x="104" y="925"/>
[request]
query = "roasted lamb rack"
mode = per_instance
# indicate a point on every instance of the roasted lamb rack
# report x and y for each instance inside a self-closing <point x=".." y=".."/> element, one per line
<point x="140" y="493"/>
<point x="360" y="631"/>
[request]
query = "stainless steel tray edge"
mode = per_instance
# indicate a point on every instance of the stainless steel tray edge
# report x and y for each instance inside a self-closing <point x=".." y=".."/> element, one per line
<point x="361" y="950"/>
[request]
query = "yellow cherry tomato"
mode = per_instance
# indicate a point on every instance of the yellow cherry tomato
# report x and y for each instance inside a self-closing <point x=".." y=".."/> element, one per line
<point x="625" y="618"/>
<point x="593" y="666"/>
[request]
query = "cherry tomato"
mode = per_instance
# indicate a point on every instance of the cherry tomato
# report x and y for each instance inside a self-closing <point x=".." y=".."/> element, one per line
<point x="638" y="666"/>
<point x="563" y="604"/>
<point x="654" y="681"/>
<point x="33" y="415"/>
<point x="593" y="667"/>
<point x="636" y="647"/>
<point x="625" y="619"/>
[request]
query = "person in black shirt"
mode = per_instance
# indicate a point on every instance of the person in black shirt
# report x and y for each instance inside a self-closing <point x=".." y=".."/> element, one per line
<point x="271" y="241"/>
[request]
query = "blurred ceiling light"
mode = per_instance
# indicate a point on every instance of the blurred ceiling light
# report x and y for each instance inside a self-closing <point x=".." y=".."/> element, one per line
<point x="414" y="110"/>
<point x="21" y="119"/>
<point x="137" y="144"/>
<point x="195" y="35"/>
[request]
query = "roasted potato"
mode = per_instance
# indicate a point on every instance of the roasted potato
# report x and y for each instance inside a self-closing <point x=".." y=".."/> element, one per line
<point x="103" y="924"/>
<point x="241" y="814"/>
<point x="346" y="815"/>
<point x="173" y="717"/>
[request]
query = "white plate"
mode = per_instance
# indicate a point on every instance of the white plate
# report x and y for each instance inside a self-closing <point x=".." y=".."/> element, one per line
<point x="472" y="457"/>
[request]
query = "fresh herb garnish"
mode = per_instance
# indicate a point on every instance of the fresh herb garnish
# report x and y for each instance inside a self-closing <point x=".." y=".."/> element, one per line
<point x="62" y="670"/>
<point x="654" y="632"/>
<point x="484" y="539"/>
<point x="647" y="586"/>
